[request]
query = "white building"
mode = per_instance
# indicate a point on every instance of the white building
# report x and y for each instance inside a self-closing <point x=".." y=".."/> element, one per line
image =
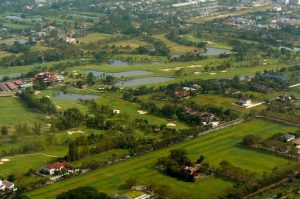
<point x="6" y="185"/>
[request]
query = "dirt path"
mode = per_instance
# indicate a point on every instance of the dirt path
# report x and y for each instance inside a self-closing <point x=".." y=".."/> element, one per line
<point x="266" y="188"/>
<point x="32" y="154"/>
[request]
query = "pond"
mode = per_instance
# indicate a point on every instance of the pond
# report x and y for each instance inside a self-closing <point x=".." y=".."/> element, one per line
<point x="143" y="81"/>
<point x="74" y="97"/>
<point x="120" y="74"/>
<point x="118" y="62"/>
<point x="215" y="51"/>
<point x="287" y="48"/>
<point x="10" y="75"/>
<point x="209" y="52"/>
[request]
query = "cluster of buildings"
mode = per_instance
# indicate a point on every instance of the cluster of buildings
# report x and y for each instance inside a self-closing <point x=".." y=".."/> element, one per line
<point x="291" y="139"/>
<point x="288" y="2"/>
<point x="14" y="86"/>
<point x="207" y="119"/>
<point x="185" y="91"/>
<point x="194" y="171"/>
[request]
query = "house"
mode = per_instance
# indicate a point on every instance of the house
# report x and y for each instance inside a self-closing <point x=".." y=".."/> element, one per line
<point x="11" y="86"/>
<point x="287" y="137"/>
<point x="144" y="196"/>
<point x="70" y="40"/>
<point x="54" y="167"/>
<point x="296" y="142"/>
<point x="116" y="112"/>
<point x="181" y="93"/>
<point x="3" y="87"/>
<point x="18" y="82"/>
<point x="50" y="77"/>
<point x="6" y="185"/>
<point x="188" y="89"/>
<point x="245" y="102"/>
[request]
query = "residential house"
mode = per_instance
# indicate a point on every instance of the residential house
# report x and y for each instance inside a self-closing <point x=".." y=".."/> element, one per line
<point x="6" y="185"/>
<point x="181" y="93"/>
<point x="11" y="86"/>
<point x="245" y="102"/>
<point x="54" y="167"/>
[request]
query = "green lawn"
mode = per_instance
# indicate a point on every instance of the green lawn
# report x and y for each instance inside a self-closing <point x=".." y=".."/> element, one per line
<point x="174" y="47"/>
<point x="13" y="111"/>
<point x="222" y="145"/>
<point x="93" y="37"/>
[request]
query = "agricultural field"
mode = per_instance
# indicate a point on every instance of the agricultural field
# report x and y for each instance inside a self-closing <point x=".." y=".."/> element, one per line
<point x="218" y="146"/>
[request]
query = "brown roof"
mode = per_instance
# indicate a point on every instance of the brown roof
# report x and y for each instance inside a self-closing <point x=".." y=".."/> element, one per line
<point x="296" y="141"/>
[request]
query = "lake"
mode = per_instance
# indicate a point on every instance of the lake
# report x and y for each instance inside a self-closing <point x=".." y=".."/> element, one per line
<point x="120" y="74"/>
<point x="10" y="75"/>
<point x="118" y="62"/>
<point x="143" y="81"/>
<point x="287" y="48"/>
<point x="74" y="97"/>
<point x="215" y="51"/>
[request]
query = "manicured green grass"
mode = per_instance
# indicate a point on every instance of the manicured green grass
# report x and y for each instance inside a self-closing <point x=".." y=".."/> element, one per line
<point x="94" y="37"/>
<point x="13" y="111"/>
<point x="19" y="165"/>
<point x="5" y="54"/>
<point x="39" y="48"/>
<point x="15" y="26"/>
<point x="221" y="145"/>
<point x="129" y="110"/>
<point x="174" y="47"/>
<point x="222" y="101"/>
<point x="132" y="43"/>
<point x="212" y="44"/>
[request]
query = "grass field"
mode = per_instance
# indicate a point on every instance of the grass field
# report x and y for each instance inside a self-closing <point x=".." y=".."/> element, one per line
<point x="15" y="26"/>
<point x="133" y="43"/>
<point x="222" y="145"/>
<point x="13" y="111"/>
<point x="174" y="47"/>
<point x="93" y="37"/>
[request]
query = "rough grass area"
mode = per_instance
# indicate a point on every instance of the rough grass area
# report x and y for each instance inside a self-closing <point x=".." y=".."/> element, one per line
<point x="222" y="145"/>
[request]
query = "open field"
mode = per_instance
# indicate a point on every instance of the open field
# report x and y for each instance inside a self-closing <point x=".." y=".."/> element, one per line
<point x="174" y="47"/>
<point x="94" y="37"/>
<point x="222" y="145"/>
<point x="132" y="43"/>
<point x="15" y="26"/>
<point x="228" y="14"/>
<point x="13" y="111"/>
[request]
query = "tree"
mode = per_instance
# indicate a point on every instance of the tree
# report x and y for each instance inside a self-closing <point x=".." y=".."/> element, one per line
<point x="11" y="178"/>
<point x="200" y="160"/>
<point x="4" y="130"/>
<point x="82" y="193"/>
<point x="90" y="79"/>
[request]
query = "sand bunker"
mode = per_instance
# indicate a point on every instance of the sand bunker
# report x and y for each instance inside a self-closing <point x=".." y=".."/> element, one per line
<point x="171" y="125"/>
<point x="5" y="160"/>
<point x="75" y="132"/>
<point x="180" y="68"/>
<point x="142" y="112"/>
<point x="224" y="71"/>
<point x="213" y="73"/>
<point x="1" y="163"/>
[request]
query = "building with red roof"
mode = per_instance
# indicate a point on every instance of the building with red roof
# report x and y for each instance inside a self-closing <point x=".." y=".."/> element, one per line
<point x="56" y="166"/>
<point x="19" y="82"/>
<point x="11" y="86"/>
<point x="3" y="87"/>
